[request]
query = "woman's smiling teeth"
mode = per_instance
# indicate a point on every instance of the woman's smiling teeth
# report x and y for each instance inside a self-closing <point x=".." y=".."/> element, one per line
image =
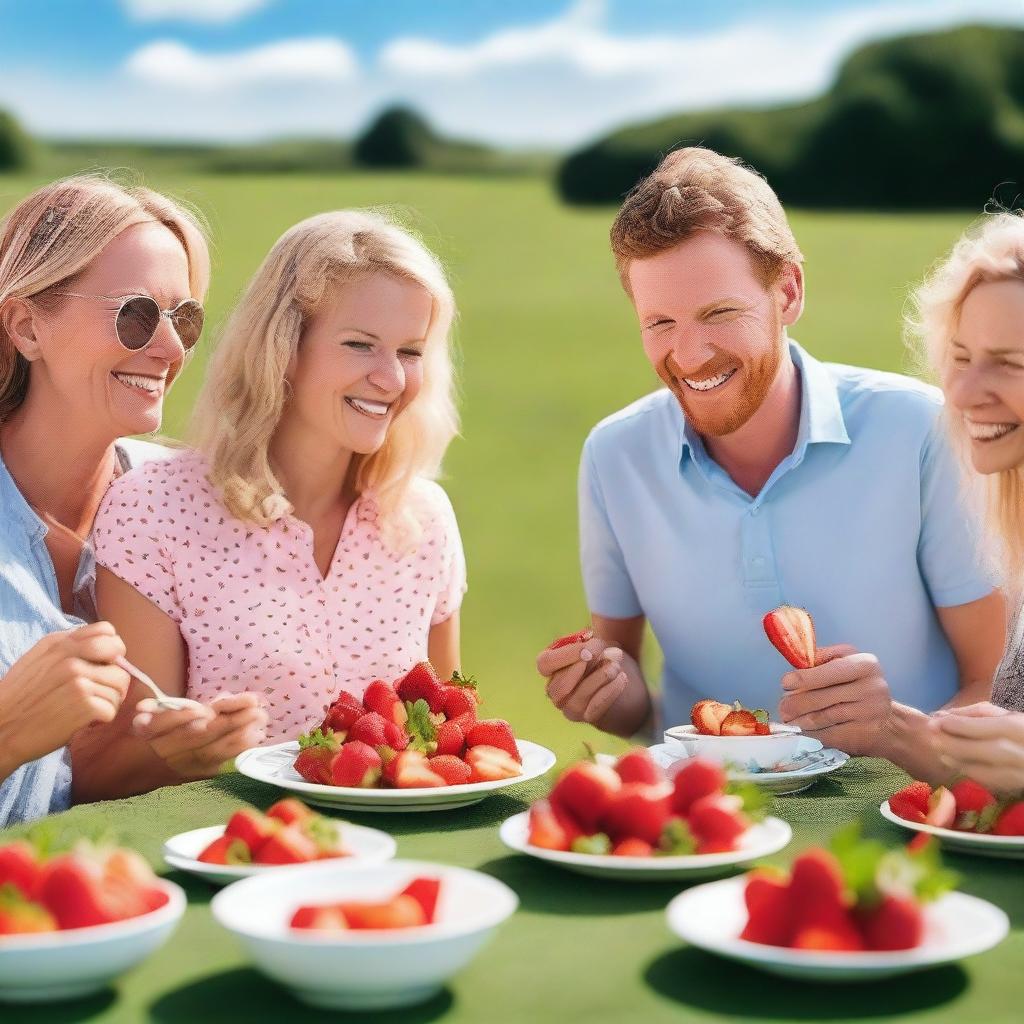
<point x="709" y="383"/>
<point x="140" y="382"/>
<point x="376" y="410"/>
<point x="989" y="431"/>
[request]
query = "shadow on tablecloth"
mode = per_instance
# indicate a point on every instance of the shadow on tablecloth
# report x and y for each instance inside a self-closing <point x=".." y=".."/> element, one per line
<point x="244" y="996"/>
<point x="697" y="979"/>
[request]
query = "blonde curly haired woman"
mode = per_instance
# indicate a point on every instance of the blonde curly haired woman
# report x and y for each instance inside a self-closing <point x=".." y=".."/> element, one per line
<point x="100" y="292"/>
<point x="970" y="318"/>
<point x="302" y="548"/>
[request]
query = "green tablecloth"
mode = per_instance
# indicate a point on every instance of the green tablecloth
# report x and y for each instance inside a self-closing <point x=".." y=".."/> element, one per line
<point x="577" y="949"/>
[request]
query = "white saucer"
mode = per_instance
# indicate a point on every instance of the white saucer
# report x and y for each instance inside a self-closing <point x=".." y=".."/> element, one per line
<point x="962" y="842"/>
<point x="366" y="846"/>
<point x="821" y="762"/>
<point x="275" y="765"/>
<point x="760" y="840"/>
<point x="711" y="917"/>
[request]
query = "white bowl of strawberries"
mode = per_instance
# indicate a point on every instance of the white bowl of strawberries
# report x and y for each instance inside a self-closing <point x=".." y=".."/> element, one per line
<point x="631" y="820"/>
<point x="375" y="937"/>
<point x="417" y="744"/>
<point x="71" y="923"/>
<point x="732" y="734"/>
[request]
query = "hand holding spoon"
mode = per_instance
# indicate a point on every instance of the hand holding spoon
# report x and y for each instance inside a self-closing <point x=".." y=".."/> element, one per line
<point x="163" y="702"/>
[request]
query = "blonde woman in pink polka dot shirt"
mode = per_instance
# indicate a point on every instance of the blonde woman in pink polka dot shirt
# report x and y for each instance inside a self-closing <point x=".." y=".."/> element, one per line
<point x="301" y="547"/>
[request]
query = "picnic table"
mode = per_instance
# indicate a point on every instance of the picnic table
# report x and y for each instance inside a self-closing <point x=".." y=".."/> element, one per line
<point x="578" y="948"/>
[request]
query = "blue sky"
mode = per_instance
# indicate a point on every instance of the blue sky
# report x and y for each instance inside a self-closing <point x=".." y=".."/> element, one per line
<point x="548" y="73"/>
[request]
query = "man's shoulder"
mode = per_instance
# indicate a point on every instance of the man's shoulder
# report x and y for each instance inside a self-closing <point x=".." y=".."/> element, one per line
<point x="652" y="413"/>
<point x="885" y="398"/>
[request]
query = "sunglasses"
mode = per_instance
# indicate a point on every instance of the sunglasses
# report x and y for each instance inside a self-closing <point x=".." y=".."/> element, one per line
<point x="138" y="318"/>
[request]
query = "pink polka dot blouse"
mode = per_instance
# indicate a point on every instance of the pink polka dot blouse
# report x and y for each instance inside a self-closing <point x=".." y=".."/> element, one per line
<point x="251" y="604"/>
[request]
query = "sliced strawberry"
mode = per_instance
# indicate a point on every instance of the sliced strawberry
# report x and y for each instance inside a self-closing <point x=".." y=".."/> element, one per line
<point x="452" y="769"/>
<point x="763" y="729"/>
<point x="707" y="716"/>
<point x="425" y="891"/>
<point x="491" y="764"/>
<point x="327" y="919"/>
<point x="941" y="808"/>
<point x="791" y="631"/>
<point x="289" y="811"/>
<point x="411" y="770"/>
<point x="739" y="723"/>
<point x="252" y="827"/>
<point x="402" y="911"/>
<point x="226" y="850"/>
<point x="494" y="732"/>
<point x="580" y="637"/>
<point x="550" y="830"/>
<point x="637" y="765"/>
<point x="289" y="845"/>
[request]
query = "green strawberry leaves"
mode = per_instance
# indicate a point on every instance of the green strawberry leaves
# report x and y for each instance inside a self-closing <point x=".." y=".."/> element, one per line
<point x="598" y="844"/>
<point x="458" y="679"/>
<point x="422" y="731"/>
<point x="676" y="840"/>
<point x="318" y="738"/>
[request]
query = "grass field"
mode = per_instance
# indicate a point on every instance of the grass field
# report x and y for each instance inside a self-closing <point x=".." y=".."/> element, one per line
<point x="548" y="347"/>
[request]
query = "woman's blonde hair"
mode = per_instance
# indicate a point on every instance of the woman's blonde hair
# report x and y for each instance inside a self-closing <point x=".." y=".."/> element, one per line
<point x="245" y="391"/>
<point x="990" y="250"/>
<point x="53" y="235"/>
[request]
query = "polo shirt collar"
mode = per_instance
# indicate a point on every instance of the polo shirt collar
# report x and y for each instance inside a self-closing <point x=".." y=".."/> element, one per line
<point x="821" y="413"/>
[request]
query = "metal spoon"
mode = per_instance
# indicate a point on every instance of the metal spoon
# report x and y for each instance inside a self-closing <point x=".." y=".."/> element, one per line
<point x="163" y="702"/>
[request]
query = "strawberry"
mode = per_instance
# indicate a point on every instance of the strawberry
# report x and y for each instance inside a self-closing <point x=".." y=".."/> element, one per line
<point x="791" y="631"/>
<point x="226" y="850"/>
<point x="739" y="723"/>
<point x="491" y="764"/>
<point x="838" y="936"/>
<point x="328" y="919"/>
<point x="421" y="683"/>
<point x="452" y="769"/>
<point x="20" y="916"/>
<point x="382" y="698"/>
<point x="252" y="827"/>
<point x="370" y="729"/>
<point x="19" y="867"/>
<point x="717" y="821"/>
<point x="911" y="802"/>
<point x="343" y="713"/>
<point x="769" y="913"/>
<point x="465" y="721"/>
<point x="896" y="923"/>
<point x="425" y="892"/>
<point x="572" y="638"/>
<point x="632" y="848"/>
<point x="450" y="739"/>
<point x="316" y="752"/>
<point x="289" y="845"/>
<point x="494" y="732"/>
<point x="549" y="829"/>
<point x="762" y="729"/>
<point x="584" y="791"/>
<point x="289" y="811"/>
<point x="402" y="911"/>
<point x="707" y="716"/>
<point x="411" y="770"/>
<point x="357" y="764"/>
<point x="325" y="835"/>
<point x="638" y="811"/>
<point x="72" y="889"/>
<point x="941" y="808"/>
<point x="817" y="894"/>
<point x="129" y="874"/>
<point x="1011" y="821"/>
<point x="637" y="765"/>
<point x="971" y="801"/>
<point x="459" y="695"/>
<point x="694" y="779"/>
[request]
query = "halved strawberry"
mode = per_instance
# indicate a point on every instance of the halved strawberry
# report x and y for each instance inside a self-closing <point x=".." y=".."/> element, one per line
<point x="739" y="723"/>
<point x="226" y="850"/>
<point x="491" y="764"/>
<point x="411" y="770"/>
<point x="402" y="911"/>
<point x="494" y="732"/>
<point x="550" y="829"/>
<point x="326" y="918"/>
<point x="572" y="638"/>
<point x="707" y="716"/>
<point x="425" y="891"/>
<point x="791" y="631"/>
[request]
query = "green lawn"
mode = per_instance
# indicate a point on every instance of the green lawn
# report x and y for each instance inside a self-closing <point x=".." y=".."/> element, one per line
<point x="548" y="347"/>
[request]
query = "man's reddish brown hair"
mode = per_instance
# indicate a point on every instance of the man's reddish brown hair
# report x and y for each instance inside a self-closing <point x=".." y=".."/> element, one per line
<point x="696" y="189"/>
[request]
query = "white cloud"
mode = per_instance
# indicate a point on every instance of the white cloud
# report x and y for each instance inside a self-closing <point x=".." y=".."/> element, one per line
<point x="171" y="64"/>
<point x="212" y="11"/>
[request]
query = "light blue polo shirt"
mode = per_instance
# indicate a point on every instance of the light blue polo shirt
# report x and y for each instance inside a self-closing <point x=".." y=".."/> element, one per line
<point x="862" y="524"/>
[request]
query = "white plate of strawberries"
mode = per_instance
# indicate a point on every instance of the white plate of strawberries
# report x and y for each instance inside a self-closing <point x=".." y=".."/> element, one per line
<point x="417" y="744"/>
<point x="630" y="820"/>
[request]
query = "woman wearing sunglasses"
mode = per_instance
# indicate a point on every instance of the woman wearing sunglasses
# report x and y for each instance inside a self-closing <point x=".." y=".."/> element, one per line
<point x="302" y="549"/>
<point x="971" y="323"/>
<point x="99" y="302"/>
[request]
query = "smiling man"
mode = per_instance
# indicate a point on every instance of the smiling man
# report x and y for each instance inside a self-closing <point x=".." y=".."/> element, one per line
<point x="759" y="476"/>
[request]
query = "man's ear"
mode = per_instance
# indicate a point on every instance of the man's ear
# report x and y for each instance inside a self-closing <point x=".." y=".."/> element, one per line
<point x="790" y="289"/>
<point x="19" y="322"/>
